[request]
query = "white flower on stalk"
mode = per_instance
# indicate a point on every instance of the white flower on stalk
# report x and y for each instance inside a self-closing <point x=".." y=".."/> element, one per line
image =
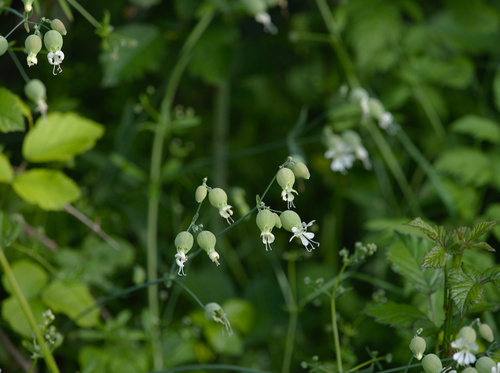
<point x="344" y="149"/>
<point x="292" y="223"/>
<point x="464" y="356"/>
<point x="266" y="221"/>
<point x="342" y="156"/>
<point x="286" y="178"/>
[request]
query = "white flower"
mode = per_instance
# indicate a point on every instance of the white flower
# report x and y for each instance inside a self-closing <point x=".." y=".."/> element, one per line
<point x="180" y="259"/>
<point x="267" y="239"/>
<point x="226" y="212"/>
<point x="342" y="156"/>
<point x="362" y="155"/>
<point x="214" y="256"/>
<point x="265" y="19"/>
<point x="56" y="58"/>
<point x="32" y="60"/>
<point x="365" y="108"/>
<point x="305" y="237"/>
<point x="464" y="356"/>
<point x="385" y="120"/>
<point x="496" y="369"/>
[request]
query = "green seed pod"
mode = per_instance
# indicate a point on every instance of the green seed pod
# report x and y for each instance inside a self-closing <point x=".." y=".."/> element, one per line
<point x="285" y="178"/>
<point x="417" y="346"/>
<point x="277" y="219"/>
<point x="467" y="333"/>
<point x="469" y="370"/>
<point x="301" y="170"/>
<point x="35" y="90"/>
<point x="184" y="241"/>
<point x="432" y="364"/>
<point x="4" y="45"/>
<point x="53" y="40"/>
<point x="290" y="219"/>
<point x="265" y="220"/>
<point x="200" y="194"/>
<point x="217" y="197"/>
<point x="484" y="364"/>
<point x="57" y="25"/>
<point x="33" y="44"/>
<point x="206" y="240"/>
<point x="486" y="332"/>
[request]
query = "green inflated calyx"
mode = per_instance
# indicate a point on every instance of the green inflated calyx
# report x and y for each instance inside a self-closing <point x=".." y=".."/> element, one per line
<point x="4" y="45"/>
<point x="184" y="241"/>
<point x="53" y="40"/>
<point x="290" y="219"/>
<point x="265" y="220"/>
<point x="35" y="90"/>
<point x="432" y="364"/>
<point x="417" y="346"/>
<point x="217" y="197"/>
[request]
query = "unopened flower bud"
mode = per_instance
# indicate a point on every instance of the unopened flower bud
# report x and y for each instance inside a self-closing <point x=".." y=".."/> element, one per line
<point x="4" y="45"/>
<point x="290" y="219"/>
<point x="57" y="25"/>
<point x="218" y="199"/>
<point x="277" y="219"/>
<point x="201" y="193"/>
<point x="467" y="333"/>
<point x="486" y="332"/>
<point x="265" y="220"/>
<point x="28" y="5"/>
<point x="206" y="240"/>
<point x="32" y="45"/>
<point x="484" y="364"/>
<point x="35" y="90"/>
<point x="417" y="346"/>
<point x="301" y="170"/>
<point x="286" y="179"/>
<point x="432" y="364"/>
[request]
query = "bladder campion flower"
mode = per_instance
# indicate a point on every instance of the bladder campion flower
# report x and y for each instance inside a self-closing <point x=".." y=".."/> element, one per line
<point x="432" y="364"/>
<point x="35" y="91"/>
<point x="207" y="240"/>
<point x="4" y="45"/>
<point x="183" y="242"/>
<point x="286" y="179"/>
<point x="266" y="221"/>
<point x="465" y="343"/>
<point x="53" y="41"/>
<point x="485" y="364"/>
<point x="218" y="199"/>
<point x="32" y="45"/>
<point x="214" y="311"/>
<point x="417" y="346"/>
<point x="292" y="223"/>
<point x="486" y="332"/>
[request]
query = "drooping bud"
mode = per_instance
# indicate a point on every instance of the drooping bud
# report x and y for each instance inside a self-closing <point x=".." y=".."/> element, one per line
<point x="35" y="90"/>
<point x="266" y="221"/>
<point x="290" y="219"/>
<point x="432" y="364"/>
<point x="32" y="45"/>
<point x="467" y="333"/>
<point x="286" y="179"/>
<point x="484" y="364"/>
<point x="486" y="332"/>
<point x="206" y="240"/>
<point x="301" y="170"/>
<point x="57" y="25"/>
<point x="4" y="45"/>
<point x="417" y="346"/>
<point x="200" y="194"/>
<point x="218" y="199"/>
<point x="214" y="312"/>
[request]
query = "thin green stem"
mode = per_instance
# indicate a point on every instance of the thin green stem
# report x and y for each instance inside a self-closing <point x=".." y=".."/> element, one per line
<point x="48" y="357"/>
<point x="335" y="330"/>
<point x="85" y="14"/>
<point x="161" y="131"/>
<point x="292" y="320"/>
<point x="371" y="361"/>
<point x="19" y="66"/>
<point x="188" y="290"/>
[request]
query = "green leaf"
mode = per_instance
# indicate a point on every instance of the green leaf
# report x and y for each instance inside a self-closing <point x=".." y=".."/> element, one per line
<point x="49" y="189"/>
<point x="141" y="54"/>
<point x="481" y="246"/>
<point x="14" y="315"/>
<point x="60" y="137"/>
<point x="481" y="228"/>
<point x="491" y="275"/>
<point x="465" y="291"/>
<point x="6" y="172"/>
<point x="472" y="166"/>
<point x="435" y="258"/>
<point x="480" y="128"/>
<point x="428" y="229"/>
<point x="71" y="298"/>
<point x="397" y="315"/>
<point x="406" y="256"/>
<point x="11" y="115"/>
<point x="30" y="276"/>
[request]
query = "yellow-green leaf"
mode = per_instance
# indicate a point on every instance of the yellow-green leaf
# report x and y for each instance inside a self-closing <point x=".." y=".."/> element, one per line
<point x="60" y="137"/>
<point x="6" y="173"/>
<point x="11" y="116"/>
<point x="49" y="189"/>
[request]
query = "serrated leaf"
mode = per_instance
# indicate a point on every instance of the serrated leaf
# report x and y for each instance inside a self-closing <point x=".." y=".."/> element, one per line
<point x="478" y="127"/>
<point x="406" y="259"/>
<point x="71" y="298"/>
<point x="60" y="137"/>
<point x="470" y="165"/>
<point x="435" y="258"/>
<point x="6" y="172"/>
<point x="131" y="61"/>
<point x="481" y="246"/>
<point x="396" y="315"/>
<point x="481" y="228"/>
<point x="465" y="291"/>
<point x="49" y="189"/>
<point x="428" y="229"/>
<point x="491" y="274"/>
<point x="11" y="115"/>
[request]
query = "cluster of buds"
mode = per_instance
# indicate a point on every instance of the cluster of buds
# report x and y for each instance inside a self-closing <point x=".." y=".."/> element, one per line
<point x="53" y="41"/>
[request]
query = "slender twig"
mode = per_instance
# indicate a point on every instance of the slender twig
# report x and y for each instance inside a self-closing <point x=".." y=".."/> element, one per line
<point x="94" y="227"/>
<point x="43" y="239"/>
